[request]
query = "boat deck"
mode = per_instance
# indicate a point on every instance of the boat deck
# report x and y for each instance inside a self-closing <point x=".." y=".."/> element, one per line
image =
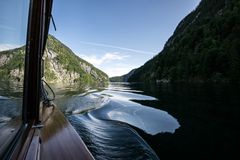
<point x="54" y="139"/>
<point x="59" y="140"/>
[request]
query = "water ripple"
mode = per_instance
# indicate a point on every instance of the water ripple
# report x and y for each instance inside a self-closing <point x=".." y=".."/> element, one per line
<point x="109" y="140"/>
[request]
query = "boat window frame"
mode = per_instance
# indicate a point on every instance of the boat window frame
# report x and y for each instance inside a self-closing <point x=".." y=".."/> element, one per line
<point x="38" y="27"/>
<point x="39" y="16"/>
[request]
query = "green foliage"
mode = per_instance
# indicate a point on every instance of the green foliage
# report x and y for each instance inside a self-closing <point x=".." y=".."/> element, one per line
<point x="64" y="56"/>
<point x="49" y="74"/>
<point x="123" y="78"/>
<point x="204" y="47"/>
<point x="16" y="61"/>
<point x="72" y="63"/>
<point x="117" y="79"/>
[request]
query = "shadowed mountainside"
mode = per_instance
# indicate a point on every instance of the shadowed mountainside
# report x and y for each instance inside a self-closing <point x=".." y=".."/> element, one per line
<point x="204" y="47"/>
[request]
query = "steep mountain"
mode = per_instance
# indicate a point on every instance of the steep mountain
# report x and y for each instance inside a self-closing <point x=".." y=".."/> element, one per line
<point x="62" y="66"/>
<point x="204" y="47"/>
<point x="12" y="64"/>
<point x="123" y="78"/>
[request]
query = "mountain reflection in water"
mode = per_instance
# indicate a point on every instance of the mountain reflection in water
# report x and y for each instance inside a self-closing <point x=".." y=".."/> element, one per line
<point x="124" y="121"/>
<point x="105" y="121"/>
<point x="10" y="102"/>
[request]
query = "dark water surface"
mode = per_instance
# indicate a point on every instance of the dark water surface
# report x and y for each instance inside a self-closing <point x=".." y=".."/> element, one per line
<point x="209" y="115"/>
<point x="10" y="102"/>
<point x="166" y="121"/>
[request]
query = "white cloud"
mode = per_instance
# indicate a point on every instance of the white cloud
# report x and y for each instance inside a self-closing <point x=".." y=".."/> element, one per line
<point x="4" y="47"/>
<point x="117" y="47"/>
<point x="119" y="69"/>
<point x="106" y="58"/>
<point x="113" y="64"/>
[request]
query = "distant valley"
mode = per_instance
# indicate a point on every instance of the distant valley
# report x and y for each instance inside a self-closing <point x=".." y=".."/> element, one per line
<point x="203" y="48"/>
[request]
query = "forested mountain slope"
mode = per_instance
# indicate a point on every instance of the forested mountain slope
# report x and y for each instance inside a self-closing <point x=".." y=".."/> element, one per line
<point x="62" y="66"/>
<point x="204" y="47"/>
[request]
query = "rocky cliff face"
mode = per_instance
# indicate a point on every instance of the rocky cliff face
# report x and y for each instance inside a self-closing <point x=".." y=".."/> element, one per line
<point x="12" y="64"/>
<point x="62" y="66"/>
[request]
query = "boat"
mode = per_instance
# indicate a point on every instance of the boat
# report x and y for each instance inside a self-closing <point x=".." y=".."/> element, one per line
<point x="42" y="131"/>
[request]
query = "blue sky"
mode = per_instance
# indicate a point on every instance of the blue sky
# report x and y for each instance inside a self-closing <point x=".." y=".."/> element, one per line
<point x="13" y="23"/>
<point x="114" y="35"/>
<point x="118" y="35"/>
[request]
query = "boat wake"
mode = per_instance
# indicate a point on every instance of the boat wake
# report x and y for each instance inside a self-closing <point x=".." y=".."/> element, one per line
<point x="110" y="140"/>
<point x="104" y="120"/>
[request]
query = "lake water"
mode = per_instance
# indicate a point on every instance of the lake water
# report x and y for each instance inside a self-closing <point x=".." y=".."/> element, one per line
<point x="148" y="121"/>
<point x="106" y="120"/>
<point x="10" y="102"/>
<point x="151" y="121"/>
